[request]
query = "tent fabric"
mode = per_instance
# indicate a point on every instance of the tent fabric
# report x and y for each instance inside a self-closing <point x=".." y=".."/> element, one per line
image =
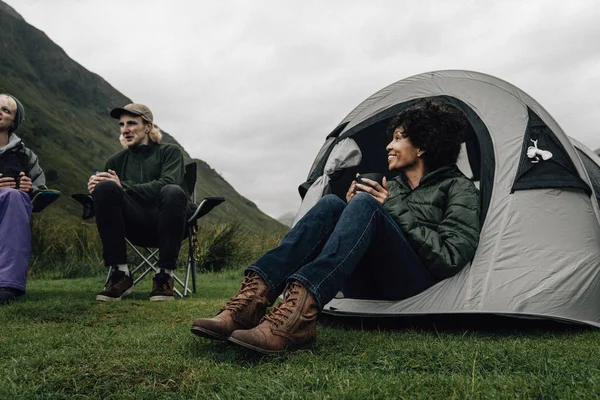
<point x="539" y="251"/>
<point x="539" y="170"/>
<point x="345" y="154"/>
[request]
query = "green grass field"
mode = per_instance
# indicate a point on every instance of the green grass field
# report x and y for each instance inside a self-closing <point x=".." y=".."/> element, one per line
<point x="59" y="343"/>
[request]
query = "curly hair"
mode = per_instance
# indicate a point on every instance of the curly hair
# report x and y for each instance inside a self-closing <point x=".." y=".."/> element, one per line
<point x="435" y="128"/>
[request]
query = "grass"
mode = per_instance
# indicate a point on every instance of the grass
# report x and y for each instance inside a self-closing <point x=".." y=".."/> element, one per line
<point x="64" y="249"/>
<point x="59" y="343"/>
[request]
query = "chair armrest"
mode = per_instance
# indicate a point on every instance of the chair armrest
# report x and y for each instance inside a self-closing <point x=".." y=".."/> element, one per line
<point x="206" y="205"/>
<point x="88" y="204"/>
<point x="43" y="198"/>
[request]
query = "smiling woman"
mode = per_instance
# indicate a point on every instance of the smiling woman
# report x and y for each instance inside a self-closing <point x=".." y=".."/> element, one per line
<point x="389" y="240"/>
<point x="20" y="179"/>
<point x="420" y="144"/>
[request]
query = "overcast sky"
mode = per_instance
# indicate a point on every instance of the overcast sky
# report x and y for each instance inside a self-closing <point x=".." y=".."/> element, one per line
<point x="253" y="87"/>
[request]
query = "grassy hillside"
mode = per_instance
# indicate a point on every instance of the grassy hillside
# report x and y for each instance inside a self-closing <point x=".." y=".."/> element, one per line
<point x="67" y="123"/>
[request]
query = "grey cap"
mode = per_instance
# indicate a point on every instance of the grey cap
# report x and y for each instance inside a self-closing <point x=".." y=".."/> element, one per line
<point x="134" y="109"/>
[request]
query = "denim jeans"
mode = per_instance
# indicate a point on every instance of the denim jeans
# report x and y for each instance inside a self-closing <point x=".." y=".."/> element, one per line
<point x="119" y="215"/>
<point x="356" y="247"/>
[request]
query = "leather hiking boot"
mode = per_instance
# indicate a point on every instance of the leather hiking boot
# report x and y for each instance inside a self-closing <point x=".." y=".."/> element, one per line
<point x="119" y="285"/>
<point x="162" y="287"/>
<point x="291" y="325"/>
<point x="244" y="311"/>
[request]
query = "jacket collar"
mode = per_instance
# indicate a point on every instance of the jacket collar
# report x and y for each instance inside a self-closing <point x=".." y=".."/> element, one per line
<point x="144" y="149"/>
<point x="13" y="142"/>
<point x="434" y="176"/>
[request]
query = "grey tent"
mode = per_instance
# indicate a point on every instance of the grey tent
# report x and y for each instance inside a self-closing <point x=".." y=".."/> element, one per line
<point x="539" y="252"/>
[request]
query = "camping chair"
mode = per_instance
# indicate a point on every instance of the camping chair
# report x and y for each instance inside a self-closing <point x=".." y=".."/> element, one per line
<point x="148" y="254"/>
<point x="42" y="198"/>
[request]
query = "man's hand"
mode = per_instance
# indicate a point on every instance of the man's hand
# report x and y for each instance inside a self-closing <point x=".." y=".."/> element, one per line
<point x="92" y="184"/>
<point x="351" y="190"/>
<point x="7" y="182"/>
<point x="379" y="192"/>
<point x="25" y="183"/>
<point x="101" y="177"/>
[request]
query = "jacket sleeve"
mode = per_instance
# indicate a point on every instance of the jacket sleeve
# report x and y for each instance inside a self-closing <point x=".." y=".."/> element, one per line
<point x="172" y="169"/>
<point x="111" y="164"/>
<point x="448" y="249"/>
<point x="34" y="172"/>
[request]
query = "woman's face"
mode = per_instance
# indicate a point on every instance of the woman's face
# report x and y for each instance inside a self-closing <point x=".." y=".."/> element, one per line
<point x="402" y="154"/>
<point x="8" y="109"/>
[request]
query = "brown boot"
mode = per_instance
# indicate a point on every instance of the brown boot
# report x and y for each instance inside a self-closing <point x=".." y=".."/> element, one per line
<point x="244" y="311"/>
<point x="291" y="325"/>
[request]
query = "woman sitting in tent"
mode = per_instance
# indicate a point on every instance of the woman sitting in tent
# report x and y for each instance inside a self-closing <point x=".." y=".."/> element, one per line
<point x="388" y="241"/>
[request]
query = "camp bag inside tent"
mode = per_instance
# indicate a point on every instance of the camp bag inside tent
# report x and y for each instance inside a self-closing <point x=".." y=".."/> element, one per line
<point x="539" y="250"/>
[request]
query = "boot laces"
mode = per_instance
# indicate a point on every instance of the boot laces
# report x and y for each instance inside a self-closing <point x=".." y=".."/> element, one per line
<point x="249" y="287"/>
<point x="285" y="309"/>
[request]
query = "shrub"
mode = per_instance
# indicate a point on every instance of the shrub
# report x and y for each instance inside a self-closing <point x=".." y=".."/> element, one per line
<point x="219" y="247"/>
<point x="226" y="246"/>
<point x="62" y="248"/>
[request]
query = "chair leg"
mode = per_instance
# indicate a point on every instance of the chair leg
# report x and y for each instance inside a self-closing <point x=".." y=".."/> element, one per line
<point x="194" y="264"/>
<point x="149" y="263"/>
<point x="186" y="288"/>
<point x="110" y="271"/>
<point x="191" y="259"/>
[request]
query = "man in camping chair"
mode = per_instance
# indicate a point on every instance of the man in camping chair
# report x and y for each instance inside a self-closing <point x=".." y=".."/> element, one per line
<point x="21" y="178"/>
<point x="140" y="195"/>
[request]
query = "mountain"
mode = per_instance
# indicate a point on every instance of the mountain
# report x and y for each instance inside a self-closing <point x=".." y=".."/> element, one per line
<point x="68" y="125"/>
<point x="287" y="219"/>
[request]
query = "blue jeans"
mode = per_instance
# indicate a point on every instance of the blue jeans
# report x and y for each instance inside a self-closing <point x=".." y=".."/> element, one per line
<point x="356" y="247"/>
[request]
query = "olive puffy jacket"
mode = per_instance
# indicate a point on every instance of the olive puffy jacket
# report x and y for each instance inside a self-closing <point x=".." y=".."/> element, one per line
<point x="440" y="218"/>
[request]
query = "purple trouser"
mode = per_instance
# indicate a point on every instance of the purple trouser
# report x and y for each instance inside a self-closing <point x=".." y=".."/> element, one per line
<point x="15" y="238"/>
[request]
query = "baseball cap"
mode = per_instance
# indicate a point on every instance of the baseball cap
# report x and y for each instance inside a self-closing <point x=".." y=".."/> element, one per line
<point x="135" y="109"/>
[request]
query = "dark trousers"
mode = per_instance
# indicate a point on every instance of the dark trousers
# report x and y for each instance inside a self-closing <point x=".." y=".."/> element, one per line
<point x="119" y="216"/>
<point x="356" y="247"/>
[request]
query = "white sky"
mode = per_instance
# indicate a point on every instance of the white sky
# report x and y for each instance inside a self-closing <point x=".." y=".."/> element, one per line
<point x="253" y="87"/>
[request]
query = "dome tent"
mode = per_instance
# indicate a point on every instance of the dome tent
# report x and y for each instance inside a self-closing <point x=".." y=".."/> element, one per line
<point x="539" y="250"/>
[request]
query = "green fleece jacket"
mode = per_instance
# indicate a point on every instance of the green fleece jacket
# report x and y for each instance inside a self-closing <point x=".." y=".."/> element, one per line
<point x="144" y="170"/>
<point x="440" y="218"/>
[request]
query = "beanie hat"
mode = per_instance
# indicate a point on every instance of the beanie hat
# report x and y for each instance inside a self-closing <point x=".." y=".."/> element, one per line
<point x="19" y="116"/>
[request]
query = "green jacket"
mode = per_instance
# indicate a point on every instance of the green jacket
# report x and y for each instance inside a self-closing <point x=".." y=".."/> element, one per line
<point x="144" y="170"/>
<point x="440" y="218"/>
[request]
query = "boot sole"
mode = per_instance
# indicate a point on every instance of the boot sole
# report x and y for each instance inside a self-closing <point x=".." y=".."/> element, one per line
<point x="205" y="333"/>
<point x="308" y="346"/>
<point x="101" y="297"/>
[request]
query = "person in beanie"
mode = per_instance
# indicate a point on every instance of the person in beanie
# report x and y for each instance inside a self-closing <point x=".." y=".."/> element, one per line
<point x="20" y="177"/>
<point x="386" y="241"/>
<point x="140" y="195"/>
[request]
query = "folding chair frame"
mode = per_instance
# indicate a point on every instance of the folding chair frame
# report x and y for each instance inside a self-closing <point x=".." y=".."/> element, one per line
<point x="150" y="260"/>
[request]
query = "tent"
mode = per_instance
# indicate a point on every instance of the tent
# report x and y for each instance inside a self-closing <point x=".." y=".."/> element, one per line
<point x="539" y="251"/>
